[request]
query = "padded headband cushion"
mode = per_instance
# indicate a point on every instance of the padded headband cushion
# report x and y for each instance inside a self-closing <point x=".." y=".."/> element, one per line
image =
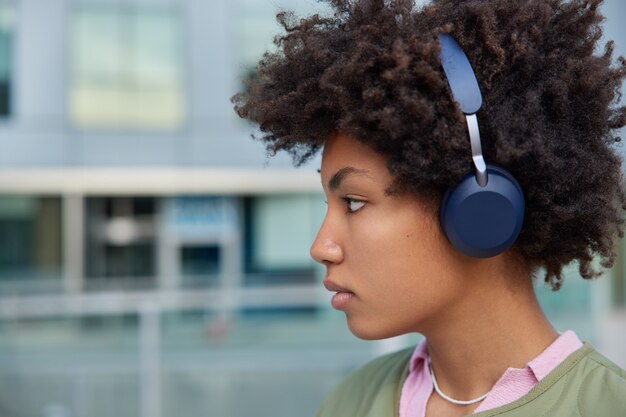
<point x="460" y="74"/>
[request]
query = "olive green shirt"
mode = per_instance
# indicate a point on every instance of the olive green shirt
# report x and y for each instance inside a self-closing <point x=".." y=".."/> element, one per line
<point x="585" y="384"/>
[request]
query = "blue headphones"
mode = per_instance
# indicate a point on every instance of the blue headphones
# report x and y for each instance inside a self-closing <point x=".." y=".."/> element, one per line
<point x="483" y="214"/>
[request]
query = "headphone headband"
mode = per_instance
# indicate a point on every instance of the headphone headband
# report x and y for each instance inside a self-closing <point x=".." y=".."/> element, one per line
<point x="466" y="92"/>
<point x="460" y="74"/>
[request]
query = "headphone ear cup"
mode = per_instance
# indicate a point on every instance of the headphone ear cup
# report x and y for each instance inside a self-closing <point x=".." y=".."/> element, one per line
<point x="483" y="221"/>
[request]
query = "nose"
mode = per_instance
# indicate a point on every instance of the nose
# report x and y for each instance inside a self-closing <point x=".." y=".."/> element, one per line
<point x="325" y="248"/>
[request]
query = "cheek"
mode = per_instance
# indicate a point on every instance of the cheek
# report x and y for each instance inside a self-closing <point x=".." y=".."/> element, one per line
<point x="404" y="257"/>
<point x="403" y="240"/>
<point x="404" y="273"/>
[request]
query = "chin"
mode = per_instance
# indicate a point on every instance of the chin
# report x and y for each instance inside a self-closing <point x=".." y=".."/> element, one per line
<point x="369" y="331"/>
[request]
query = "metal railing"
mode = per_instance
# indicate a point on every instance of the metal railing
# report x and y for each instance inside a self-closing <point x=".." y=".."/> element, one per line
<point x="149" y="307"/>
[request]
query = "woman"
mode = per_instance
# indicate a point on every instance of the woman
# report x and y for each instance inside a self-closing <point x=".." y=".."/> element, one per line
<point x="394" y="94"/>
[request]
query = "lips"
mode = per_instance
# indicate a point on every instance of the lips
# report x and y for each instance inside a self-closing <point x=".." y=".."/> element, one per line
<point x="342" y="296"/>
<point x="331" y="286"/>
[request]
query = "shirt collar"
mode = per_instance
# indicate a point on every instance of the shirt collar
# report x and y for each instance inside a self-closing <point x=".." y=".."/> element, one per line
<point x="541" y="365"/>
<point x="419" y="354"/>
<point x="546" y="361"/>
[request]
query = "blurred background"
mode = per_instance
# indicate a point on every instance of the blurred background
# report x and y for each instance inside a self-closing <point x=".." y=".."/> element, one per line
<point x="154" y="262"/>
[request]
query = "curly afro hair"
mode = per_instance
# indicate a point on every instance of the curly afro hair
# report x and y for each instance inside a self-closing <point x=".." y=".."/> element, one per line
<point x="550" y="107"/>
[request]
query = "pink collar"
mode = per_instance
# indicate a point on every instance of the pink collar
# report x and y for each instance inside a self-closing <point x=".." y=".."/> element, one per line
<point x="541" y="365"/>
<point x="512" y="385"/>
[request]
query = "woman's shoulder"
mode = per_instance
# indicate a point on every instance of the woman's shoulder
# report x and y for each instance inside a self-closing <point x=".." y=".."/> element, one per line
<point x="603" y="384"/>
<point x="586" y="384"/>
<point x="605" y="363"/>
<point x="370" y="390"/>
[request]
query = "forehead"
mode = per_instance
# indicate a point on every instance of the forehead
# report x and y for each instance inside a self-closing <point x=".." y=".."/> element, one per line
<point x="346" y="160"/>
<point x="342" y="150"/>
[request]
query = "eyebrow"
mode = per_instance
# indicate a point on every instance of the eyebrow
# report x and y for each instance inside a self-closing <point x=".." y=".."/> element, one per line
<point x="335" y="181"/>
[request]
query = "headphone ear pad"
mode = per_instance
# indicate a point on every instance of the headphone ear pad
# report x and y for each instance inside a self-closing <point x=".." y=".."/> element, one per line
<point x="483" y="221"/>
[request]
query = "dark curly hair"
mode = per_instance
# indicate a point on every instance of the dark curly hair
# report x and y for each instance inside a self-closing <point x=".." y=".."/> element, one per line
<point x="550" y="112"/>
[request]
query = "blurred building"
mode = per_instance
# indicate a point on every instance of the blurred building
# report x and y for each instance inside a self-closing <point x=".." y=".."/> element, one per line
<point x="154" y="261"/>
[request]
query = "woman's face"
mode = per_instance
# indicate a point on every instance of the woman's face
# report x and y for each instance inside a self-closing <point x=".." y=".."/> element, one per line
<point x="387" y="253"/>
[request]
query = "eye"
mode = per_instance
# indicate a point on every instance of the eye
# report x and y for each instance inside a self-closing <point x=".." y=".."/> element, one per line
<point x="353" y="205"/>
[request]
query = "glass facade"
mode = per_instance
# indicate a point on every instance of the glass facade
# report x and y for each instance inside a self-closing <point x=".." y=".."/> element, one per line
<point x="200" y="241"/>
<point x="126" y="67"/>
<point x="31" y="234"/>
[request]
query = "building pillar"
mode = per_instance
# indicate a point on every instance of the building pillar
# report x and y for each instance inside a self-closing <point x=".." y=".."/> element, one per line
<point x="73" y="242"/>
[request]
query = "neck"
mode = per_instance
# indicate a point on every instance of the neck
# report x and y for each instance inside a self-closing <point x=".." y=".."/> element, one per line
<point x="495" y="326"/>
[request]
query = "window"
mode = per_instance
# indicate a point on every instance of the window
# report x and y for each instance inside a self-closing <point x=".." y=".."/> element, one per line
<point x="120" y="243"/>
<point x="126" y="67"/>
<point x="279" y="232"/>
<point x="200" y="265"/>
<point x="31" y="232"/>
<point x="7" y="25"/>
<point x="199" y="241"/>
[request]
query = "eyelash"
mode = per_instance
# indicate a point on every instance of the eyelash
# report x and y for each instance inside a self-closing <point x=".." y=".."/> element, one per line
<point x="349" y="200"/>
